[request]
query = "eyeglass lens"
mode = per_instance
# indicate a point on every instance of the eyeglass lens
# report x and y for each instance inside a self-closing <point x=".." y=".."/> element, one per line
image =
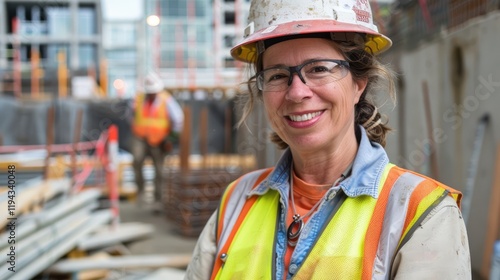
<point x="312" y="73"/>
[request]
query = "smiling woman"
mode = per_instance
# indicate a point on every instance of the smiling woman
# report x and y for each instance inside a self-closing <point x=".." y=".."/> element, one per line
<point x="333" y="207"/>
<point x="331" y="100"/>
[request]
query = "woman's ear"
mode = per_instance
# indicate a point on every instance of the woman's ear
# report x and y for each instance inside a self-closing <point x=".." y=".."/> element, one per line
<point x="360" y="86"/>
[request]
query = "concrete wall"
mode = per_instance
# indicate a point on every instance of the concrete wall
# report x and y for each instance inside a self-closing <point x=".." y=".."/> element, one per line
<point x="462" y="71"/>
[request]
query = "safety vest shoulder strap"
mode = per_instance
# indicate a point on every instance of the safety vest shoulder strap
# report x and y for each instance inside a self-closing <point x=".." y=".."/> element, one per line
<point x="233" y="209"/>
<point x="404" y="201"/>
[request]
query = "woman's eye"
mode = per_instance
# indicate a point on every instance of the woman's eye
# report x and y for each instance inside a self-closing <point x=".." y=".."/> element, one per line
<point x="277" y="77"/>
<point x="319" y="69"/>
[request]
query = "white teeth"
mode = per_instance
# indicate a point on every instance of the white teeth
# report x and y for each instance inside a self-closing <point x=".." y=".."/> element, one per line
<point x="304" y="117"/>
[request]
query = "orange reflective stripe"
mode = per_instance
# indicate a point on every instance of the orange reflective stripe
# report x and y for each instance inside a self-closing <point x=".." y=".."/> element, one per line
<point x="452" y="192"/>
<point x="244" y="212"/>
<point x="223" y="204"/>
<point x="246" y="208"/>
<point x="421" y="191"/>
<point x="376" y="222"/>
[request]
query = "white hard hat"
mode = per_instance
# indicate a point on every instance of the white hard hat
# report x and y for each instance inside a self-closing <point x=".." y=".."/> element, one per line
<point x="153" y="83"/>
<point x="278" y="18"/>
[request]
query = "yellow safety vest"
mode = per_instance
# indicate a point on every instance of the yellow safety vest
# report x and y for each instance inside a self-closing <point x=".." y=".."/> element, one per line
<point x="151" y="123"/>
<point x="355" y="244"/>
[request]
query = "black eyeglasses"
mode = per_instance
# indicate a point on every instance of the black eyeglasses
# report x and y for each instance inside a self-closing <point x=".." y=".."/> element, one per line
<point x="312" y="73"/>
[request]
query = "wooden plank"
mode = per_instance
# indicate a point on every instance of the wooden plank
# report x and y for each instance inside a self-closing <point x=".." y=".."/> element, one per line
<point x="204" y="135"/>
<point x="50" y="138"/>
<point x="493" y="219"/>
<point x="97" y="273"/>
<point x="108" y="236"/>
<point x="76" y="139"/>
<point x="185" y="141"/>
<point x="54" y="253"/>
<point x="228" y="129"/>
<point x="430" y="132"/>
<point x="166" y="273"/>
<point x="33" y="196"/>
<point x="123" y="262"/>
<point x="247" y="162"/>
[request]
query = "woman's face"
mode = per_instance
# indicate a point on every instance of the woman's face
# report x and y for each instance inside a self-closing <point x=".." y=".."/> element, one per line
<point x="311" y="118"/>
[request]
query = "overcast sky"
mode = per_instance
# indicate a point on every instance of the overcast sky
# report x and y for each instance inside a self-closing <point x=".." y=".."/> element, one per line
<point x="122" y="9"/>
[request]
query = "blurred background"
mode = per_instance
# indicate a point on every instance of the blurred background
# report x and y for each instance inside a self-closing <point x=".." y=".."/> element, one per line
<point x="70" y="68"/>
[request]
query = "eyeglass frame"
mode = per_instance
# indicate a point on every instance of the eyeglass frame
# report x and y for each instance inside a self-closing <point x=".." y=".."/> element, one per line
<point x="297" y="69"/>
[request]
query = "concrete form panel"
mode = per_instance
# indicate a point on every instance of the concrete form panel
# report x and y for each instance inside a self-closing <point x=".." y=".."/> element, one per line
<point x="464" y="84"/>
<point x="419" y="67"/>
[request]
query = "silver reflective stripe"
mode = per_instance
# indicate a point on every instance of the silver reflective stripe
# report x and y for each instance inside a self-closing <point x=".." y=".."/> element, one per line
<point x="394" y="219"/>
<point x="235" y="205"/>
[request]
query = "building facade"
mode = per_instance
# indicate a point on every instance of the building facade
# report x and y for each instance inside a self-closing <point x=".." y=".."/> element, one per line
<point x="40" y="40"/>
<point x="190" y="46"/>
<point x="43" y="43"/>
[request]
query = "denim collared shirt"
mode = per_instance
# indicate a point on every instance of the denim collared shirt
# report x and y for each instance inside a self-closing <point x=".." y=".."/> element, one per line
<point x="367" y="169"/>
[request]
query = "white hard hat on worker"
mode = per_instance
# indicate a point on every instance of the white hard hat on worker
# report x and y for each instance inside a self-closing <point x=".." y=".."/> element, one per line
<point x="153" y="83"/>
<point x="343" y="19"/>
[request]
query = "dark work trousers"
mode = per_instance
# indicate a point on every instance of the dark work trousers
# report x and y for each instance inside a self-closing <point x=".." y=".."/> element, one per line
<point x="140" y="150"/>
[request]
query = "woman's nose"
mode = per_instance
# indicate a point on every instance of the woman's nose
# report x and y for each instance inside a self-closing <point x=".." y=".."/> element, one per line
<point x="298" y="90"/>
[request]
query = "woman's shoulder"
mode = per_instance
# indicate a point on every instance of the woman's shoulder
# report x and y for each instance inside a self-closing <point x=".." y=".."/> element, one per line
<point x="423" y="178"/>
<point x="249" y="180"/>
<point x="254" y="177"/>
<point x="424" y="183"/>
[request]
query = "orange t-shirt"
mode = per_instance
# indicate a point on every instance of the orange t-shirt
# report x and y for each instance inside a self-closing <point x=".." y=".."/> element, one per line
<point x="305" y="195"/>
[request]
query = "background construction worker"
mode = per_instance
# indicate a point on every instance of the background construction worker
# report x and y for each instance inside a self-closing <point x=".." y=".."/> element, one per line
<point x="157" y="123"/>
<point x="333" y="207"/>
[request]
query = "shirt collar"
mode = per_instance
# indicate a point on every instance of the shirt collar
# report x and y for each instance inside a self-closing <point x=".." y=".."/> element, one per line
<point x="367" y="170"/>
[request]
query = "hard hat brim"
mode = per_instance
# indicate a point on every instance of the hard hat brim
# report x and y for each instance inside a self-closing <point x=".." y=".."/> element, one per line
<point x="246" y="50"/>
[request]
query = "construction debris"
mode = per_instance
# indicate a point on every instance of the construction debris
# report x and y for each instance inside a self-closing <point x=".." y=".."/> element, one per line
<point x="51" y="233"/>
<point x="122" y="263"/>
<point x="62" y="223"/>
<point x="111" y="235"/>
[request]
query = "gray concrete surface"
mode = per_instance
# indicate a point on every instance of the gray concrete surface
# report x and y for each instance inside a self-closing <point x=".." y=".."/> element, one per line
<point x="165" y="239"/>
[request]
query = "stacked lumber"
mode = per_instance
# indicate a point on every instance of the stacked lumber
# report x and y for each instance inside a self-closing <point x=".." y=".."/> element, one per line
<point x="38" y="238"/>
<point x="29" y="164"/>
<point x="53" y="234"/>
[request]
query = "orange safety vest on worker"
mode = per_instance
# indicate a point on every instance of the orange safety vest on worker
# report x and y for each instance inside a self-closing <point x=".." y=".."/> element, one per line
<point x="151" y="121"/>
<point x="359" y="241"/>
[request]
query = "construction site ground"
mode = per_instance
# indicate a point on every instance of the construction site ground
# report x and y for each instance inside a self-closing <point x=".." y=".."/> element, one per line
<point x="165" y="239"/>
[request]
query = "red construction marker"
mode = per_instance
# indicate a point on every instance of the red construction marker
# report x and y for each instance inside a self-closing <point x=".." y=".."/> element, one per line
<point x="112" y="172"/>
